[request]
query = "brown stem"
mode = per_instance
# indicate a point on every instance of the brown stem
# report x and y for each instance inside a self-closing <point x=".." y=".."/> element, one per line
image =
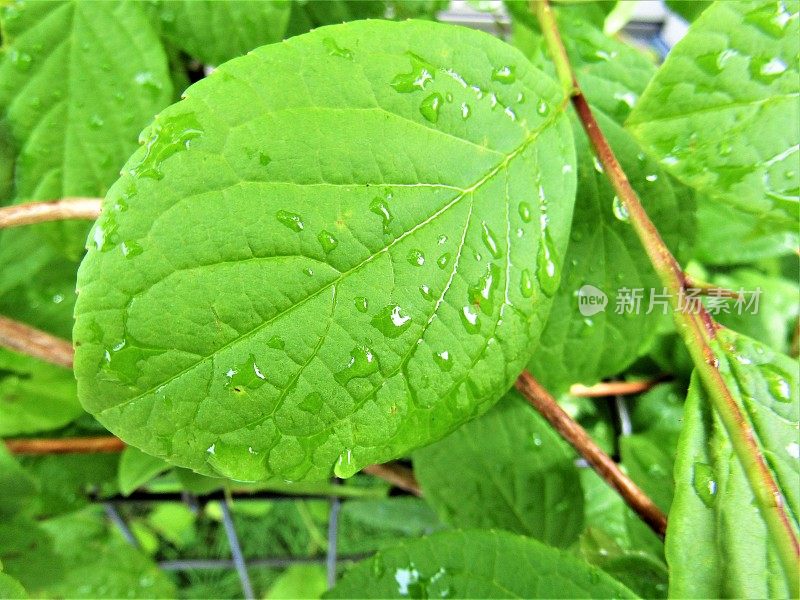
<point x="54" y="210"/>
<point x="613" y="388"/>
<point x="576" y="435"/>
<point x="34" y="342"/>
<point x="703" y="288"/>
<point x="76" y="445"/>
<point x="399" y="476"/>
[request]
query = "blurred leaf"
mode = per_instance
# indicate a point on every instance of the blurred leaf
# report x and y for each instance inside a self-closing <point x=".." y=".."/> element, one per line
<point x="508" y="470"/>
<point x="137" y="468"/>
<point x="299" y="581"/>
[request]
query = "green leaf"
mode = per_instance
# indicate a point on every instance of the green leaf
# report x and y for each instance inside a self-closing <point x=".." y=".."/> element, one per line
<point x="214" y="32"/>
<point x="137" y="468"/>
<point x="78" y="80"/>
<point x="688" y="9"/>
<point x="340" y="293"/>
<point x="27" y="554"/>
<point x="307" y="15"/>
<point x="714" y="512"/>
<point x="507" y="470"/>
<point x="722" y="113"/>
<point x="19" y="488"/>
<point x="774" y="323"/>
<point x="35" y="396"/>
<point x="99" y="563"/>
<point x="476" y="564"/>
<point x="582" y="342"/>
<point x="11" y="588"/>
<point x="299" y="581"/>
<point x="727" y="235"/>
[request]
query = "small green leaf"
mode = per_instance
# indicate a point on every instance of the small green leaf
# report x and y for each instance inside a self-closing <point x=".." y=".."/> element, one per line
<point x="213" y="32"/>
<point x="236" y="342"/>
<point x="299" y="581"/>
<point x="35" y="396"/>
<point x="11" y="588"/>
<point x="507" y="469"/>
<point x="137" y="468"/>
<point x="714" y="511"/>
<point x="476" y="564"/>
<point x="722" y="113"/>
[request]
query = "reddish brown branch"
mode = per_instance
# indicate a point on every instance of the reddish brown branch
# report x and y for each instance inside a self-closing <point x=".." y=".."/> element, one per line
<point x="613" y="388"/>
<point x="76" y="445"/>
<point x="34" y="342"/>
<point x="55" y="210"/>
<point x="571" y="431"/>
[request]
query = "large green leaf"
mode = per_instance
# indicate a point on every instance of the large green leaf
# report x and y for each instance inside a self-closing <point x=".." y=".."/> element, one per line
<point x="214" y="32"/>
<point x="714" y="511"/>
<point x="507" y="470"/>
<point x="34" y="395"/>
<point x="476" y="564"/>
<point x="722" y="113"/>
<point x="78" y="81"/>
<point x="318" y="275"/>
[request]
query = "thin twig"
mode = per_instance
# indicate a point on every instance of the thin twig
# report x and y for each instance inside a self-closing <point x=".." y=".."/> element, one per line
<point x="613" y="388"/>
<point x="571" y="431"/>
<point x="53" y="210"/>
<point x="696" y="326"/>
<point x="34" y="342"/>
<point x="75" y="445"/>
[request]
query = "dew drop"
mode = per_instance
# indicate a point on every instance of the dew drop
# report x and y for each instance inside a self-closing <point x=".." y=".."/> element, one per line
<point x="443" y="260"/>
<point x="482" y="293"/>
<point x="430" y="107"/>
<point x="363" y="363"/>
<point x="291" y="220"/>
<point x="380" y="206"/>
<point x="416" y="258"/>
<point x="505" y="74"/>
<point x="598" y="166"/>
<point x="361" y="304"/>
<point x="619" y="210"/>
<point x="704" y="483"/>
<point x="777" y="382"/>
<point x="391" y="321"/>
<point x="334" y="50"/>
<point x="442" y="359"/>
<point x="526" y="283"/>
<point x="420" y="75"/>
<point x="469" y="319"/>
<point x="426" y="292"/>
<point x="489" y="241"/>
<point x="465" y="111"/>
<point x="327" y="241"/>
<point x="165" y="138"/>
<point x="245" y="377"/>
<point x="345" y="467"/>
<point x="542" y="108"/>
<point x="525" y="211"/>
<point x="131" y="248"/>
<point x="546" y="270"/>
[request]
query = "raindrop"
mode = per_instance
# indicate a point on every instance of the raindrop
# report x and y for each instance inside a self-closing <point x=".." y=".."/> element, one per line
<point x="598" y="166"/>
<point x="426" y="292"/>
<point x="165" y="138"/>
<point x="443" y="260"/>
<point x="420" y="75"/>
<point x="363" y="363"/>
<point x="465" y="110"/>
<point x="291" y="220"/>
<point x="546" y="270"/>
<point x="542" y="108"/>
<point x="619" y="210"/>
<point x="489" y="240"/>
<point x="704" y="483"/>
<point x="526" y="283"/>
<point x="391" y="321"/>
<point x="327" y="241"/>
<point x="380" y="207"/>
<point x="469" y="319"/>
<point x="525" y="211"/>
<point x="430" y="107"/>
<point x="244" y="377"/>
<point x="361" y="304"/>
<point x="345" y="467"/>
<point x="505" y="74"/>
<point x="442" y="359"/>
<point x="416" y="258"/>
<point x="334" y="50"/>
